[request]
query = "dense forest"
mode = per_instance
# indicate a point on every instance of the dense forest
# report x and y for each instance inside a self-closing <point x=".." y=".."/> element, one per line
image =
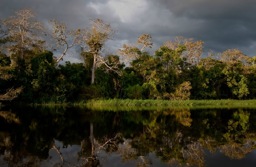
<point x="32" y="67"/>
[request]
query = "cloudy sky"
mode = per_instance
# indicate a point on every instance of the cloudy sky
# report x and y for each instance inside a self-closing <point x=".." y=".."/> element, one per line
<point x="221" y="24"/>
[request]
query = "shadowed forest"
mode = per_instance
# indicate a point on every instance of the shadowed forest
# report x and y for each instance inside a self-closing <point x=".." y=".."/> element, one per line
<point x="32" y="67"/>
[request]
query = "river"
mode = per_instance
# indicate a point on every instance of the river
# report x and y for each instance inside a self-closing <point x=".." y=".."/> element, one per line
<point x="76" y="137"/>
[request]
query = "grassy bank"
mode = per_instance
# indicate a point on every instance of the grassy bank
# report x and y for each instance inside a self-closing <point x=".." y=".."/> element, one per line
<point x="127" y="104"/>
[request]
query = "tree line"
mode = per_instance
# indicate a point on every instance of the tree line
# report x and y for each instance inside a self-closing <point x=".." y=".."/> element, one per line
<point x="30" y="68"/>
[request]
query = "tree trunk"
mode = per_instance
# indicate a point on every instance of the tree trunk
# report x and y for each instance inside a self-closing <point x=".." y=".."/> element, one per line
<point x="93" y="68"/>
<point x="92" y="138"/>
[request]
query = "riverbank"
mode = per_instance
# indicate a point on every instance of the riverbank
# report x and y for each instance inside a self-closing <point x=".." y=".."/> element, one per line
<point x="127" y="104"/>
<point x="133" y="105"/>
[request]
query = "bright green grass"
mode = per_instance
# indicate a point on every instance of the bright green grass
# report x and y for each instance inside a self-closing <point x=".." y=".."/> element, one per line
<point x="127" y="104"/>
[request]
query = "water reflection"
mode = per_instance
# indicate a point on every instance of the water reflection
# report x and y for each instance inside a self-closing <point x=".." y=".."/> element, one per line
<point x="79" y="137"/>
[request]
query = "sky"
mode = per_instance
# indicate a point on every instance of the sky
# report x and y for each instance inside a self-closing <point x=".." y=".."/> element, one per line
<point x="220" y="24"/>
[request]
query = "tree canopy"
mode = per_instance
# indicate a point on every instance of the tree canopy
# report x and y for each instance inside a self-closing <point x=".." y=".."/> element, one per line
<point x="31" y="65"/>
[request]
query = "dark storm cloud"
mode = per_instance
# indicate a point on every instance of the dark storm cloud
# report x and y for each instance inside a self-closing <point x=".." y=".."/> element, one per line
<point x="207" y="9"/>
<point x="226" y="24"/>
<point x="221" y="24"/>
<point x="75" y="12"/>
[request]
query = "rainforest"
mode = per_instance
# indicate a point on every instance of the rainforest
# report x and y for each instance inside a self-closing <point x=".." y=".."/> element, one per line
<point x="32" y="69"/>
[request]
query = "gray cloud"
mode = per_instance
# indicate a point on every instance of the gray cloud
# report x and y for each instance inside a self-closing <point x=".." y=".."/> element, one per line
<point x="72" y="12"/>
<point x="221" y="24"/>
<point x="207" y="9"/>
<point x="225" y="24"/>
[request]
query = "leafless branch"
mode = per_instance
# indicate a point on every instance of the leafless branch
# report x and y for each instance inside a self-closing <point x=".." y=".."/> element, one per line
<point x="108" y="141"/>
<point x="112" y="67"/>
<point x="58" y="151"/>
<point x="65" y="38"/>
<point x="145" y="41"/>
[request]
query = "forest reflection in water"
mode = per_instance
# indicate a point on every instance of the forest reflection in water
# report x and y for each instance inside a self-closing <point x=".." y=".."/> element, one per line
<point x="170" y="137"/>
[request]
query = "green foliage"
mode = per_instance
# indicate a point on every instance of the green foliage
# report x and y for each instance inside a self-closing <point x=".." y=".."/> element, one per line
<point x="4" y="60"/>
<point x="5" y="72"/>
<point x="130" y="78"/>
<point x="140" y="104"/>
<point x="236" y="81"/>
<point x="238" y="125"/>
<point x="72" y="78"/>
<point x="182" y="91"/>
<point x="91" y="92"/>
<point x="40" y="72"/>
<point x="134" y="92"/>
<point x="208" y="80"/>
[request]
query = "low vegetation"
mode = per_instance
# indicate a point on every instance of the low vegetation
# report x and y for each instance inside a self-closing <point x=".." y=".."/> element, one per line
<point x="134" y="105"/>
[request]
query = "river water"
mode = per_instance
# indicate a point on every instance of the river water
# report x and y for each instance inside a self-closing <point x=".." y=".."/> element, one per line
<point x="76" y="137"/>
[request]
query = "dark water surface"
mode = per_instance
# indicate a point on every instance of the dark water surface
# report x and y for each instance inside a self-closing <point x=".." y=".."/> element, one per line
<point x="72" y="137"/>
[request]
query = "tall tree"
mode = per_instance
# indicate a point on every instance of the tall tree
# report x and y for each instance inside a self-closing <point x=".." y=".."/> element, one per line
<point x="95" y="38"/>
<point x="208" y="80"/>
<point x="23" y="33"/>
<point x="234" y="71"/>
<point x="21" y="39"/>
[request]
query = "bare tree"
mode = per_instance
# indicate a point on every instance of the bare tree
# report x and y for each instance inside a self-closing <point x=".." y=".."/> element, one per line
<point x="193" y="49"/>
<point x="23" y="33"/>
<point x="145" y="40"/>
<point x="131" y="52"/>
<point x="65" y="38"/>
<point x="95" y="38"/>
<point x="232" y="56"/>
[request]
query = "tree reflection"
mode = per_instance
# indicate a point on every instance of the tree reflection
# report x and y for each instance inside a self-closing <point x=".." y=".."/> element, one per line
<point x="178" y="137"/>
<point x="90" y="158"/>
<point x="238" y="125"/>
<point x="163" y="134"/>
<point x="238" y="150"/>
<point x="27" y="138"/>
<point x="170" y="134"/>
<point x="9" y="117"/>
